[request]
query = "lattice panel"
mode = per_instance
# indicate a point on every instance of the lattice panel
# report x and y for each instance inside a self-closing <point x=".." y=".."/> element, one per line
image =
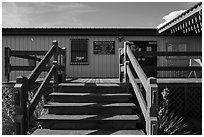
<point x="177" y="100"/>
<point x="8" y="100"/>
<point x="184" y="99"/>
<point x="194" y="103"/>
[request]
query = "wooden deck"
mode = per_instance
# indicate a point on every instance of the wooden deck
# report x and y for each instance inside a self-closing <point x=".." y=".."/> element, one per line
<point x="116" y="81"/>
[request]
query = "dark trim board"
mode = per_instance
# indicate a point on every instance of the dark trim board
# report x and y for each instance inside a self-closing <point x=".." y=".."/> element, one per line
<point x="81" y="31"/>
<point x="84" y="32"/>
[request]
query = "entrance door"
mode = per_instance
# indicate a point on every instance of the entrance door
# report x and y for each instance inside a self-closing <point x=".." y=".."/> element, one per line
<point x="146" y="46"/>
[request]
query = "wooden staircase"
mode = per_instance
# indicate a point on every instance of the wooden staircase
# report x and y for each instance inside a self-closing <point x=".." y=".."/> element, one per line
<point x="91" y="109"/>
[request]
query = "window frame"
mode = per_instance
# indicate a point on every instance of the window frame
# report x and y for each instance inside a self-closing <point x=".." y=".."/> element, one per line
<point x="70" y="53"/>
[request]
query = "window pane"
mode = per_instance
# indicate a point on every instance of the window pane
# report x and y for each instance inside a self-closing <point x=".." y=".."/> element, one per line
<point x="79" y="57"/>
<point x="79" y="44"/>
<point x="79" y="50"/>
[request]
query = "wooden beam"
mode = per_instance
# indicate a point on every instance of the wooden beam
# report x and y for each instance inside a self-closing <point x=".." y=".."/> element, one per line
<point x="172" y="68"/>
<point x="28" y="57"/>
<point x="7" y="63"/>
<point x="21" y="97"/>
<point x="27" y="68"/>
<point x="161" y="53"/>
<point x="25" y="52"/>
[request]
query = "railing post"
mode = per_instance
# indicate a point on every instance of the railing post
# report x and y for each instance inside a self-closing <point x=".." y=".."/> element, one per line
<point x="120" y="64"/>
<point x="152" y="105"/>
<point x="64" y="65"/>
<point x="127" y="82"/>
<point x="21" y="97"/>
<point x="35" y="61"/>
<point x="7" y="63"/>
<point x="56" y="76"/>
<point x="125" y="59"/>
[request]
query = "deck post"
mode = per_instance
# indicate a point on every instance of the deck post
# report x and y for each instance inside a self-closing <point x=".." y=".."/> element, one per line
<point x="56" y="76"/>
<point x="64" y="65"/>
<point x="125" y="59"/>
<point x="152" y="105"/>
<point x="21" y="96"/>
<point x="120" y="64"/>
<point x="7" y="63"/>
<point x="127" y="82"/>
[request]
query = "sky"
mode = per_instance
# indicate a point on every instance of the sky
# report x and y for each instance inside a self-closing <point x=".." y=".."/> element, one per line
<point x="90" y="14"/>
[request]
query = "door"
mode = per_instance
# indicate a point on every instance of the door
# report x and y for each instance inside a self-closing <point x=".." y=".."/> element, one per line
<point x="146" y="46"/>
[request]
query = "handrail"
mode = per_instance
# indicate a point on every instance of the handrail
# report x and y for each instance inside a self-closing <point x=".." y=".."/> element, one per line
<point x="138" y="93"/>
<point x="38" y="69"/>
<point x="149" y="108"/>
<point x="24" y="84"/>
<point x="40" y="90"/>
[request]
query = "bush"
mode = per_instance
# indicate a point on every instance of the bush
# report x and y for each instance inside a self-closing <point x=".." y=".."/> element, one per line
<point x="8" y="111"/>
<point x="170" y="123"/>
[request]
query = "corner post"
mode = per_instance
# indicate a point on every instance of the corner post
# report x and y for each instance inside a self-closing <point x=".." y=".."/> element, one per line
<point x="120" y="64"/>
<point x="7" y="63"/>
<point x="64" y="64"/>
<point x="55" y="62"/>
<point x="152" y="105"/>
<point x="21" y="97"/>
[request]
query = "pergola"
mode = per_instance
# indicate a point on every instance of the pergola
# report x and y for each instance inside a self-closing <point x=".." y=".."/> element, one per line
<point x="188" y="23"/>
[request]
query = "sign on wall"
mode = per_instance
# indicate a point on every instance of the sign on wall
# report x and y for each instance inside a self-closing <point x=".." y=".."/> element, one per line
<point x="104" y="47"/>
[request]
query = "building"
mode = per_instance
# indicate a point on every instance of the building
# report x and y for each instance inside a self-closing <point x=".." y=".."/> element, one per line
<point x="165" y="53"/>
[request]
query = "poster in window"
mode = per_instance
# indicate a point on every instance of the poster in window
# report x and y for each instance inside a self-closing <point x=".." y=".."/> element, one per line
<point x="104" y="47"/>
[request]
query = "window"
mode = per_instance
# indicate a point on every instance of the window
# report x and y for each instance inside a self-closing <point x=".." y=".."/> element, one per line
<point x="176" y="47"/>
<point x="79" y="51"/>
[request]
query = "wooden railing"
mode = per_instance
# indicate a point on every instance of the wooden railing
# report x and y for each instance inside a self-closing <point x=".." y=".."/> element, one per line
<point x="30" y="55"/>
<point x="149" y="103"/>
<point x="23" y="84"/>
<point x="149" y="109"/>
<point x="167" y="54"/>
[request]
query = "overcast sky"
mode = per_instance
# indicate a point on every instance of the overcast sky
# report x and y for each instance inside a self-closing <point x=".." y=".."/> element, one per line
<point x="87" y="14"/>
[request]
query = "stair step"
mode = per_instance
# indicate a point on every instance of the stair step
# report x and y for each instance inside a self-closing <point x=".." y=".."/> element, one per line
<point x="88" y="132"/>
<point x="92" y="87"/>
<point x="55" y="104"/>
<point x="90" y="108"/>
<point x="90" y="97"/>
<point x="89" y="117"/>
<point x="90" y="121"/>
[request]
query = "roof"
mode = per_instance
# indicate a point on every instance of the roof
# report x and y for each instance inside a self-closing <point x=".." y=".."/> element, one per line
<point x="188" y="23"/>
<point x="81" y="31"/>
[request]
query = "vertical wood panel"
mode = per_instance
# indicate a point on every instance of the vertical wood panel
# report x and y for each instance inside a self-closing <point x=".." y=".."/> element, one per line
<point x="4" y="44"/>
<point x="12" y="43"/>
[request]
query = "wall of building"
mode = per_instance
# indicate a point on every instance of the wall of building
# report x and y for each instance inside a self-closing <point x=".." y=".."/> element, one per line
<point x="193" y="44"/>
<point x="100" y="66"/>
